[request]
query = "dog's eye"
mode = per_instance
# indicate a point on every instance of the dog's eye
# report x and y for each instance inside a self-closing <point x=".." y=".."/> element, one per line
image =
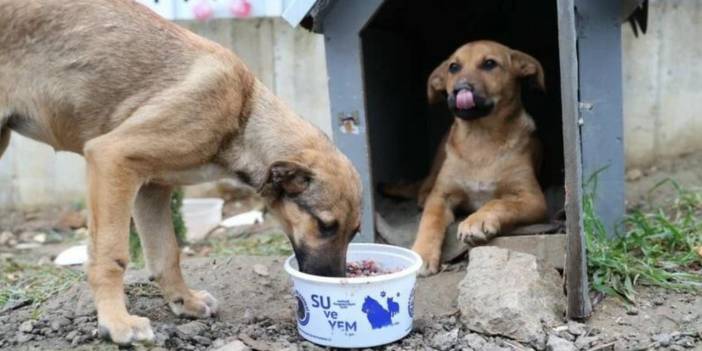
<point x="454" y="67"/>
<point x="327" y="229"/>
<point x="488" y="64"/>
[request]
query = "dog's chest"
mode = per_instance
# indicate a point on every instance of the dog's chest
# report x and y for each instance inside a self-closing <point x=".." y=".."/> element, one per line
<point x="478" y="192"/>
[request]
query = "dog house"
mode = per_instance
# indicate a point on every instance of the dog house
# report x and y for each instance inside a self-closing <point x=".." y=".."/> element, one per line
<point x="380" y="54"/>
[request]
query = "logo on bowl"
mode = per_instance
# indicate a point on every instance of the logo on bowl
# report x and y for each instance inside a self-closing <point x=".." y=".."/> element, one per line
<point x="303" y="313"/>
<point x="378" y="315"/>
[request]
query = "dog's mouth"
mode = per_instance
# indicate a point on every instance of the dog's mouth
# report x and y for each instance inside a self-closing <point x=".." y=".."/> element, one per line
<point x="465" y="104"/>
<point x="465" y="99"/>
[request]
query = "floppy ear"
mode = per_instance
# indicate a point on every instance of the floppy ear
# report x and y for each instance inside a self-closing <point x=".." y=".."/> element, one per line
<point x="285" y="177"/>
<point x="436" y="85"/>
<point x="527" y="67"/>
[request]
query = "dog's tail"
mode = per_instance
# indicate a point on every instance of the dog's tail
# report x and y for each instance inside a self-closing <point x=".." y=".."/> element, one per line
<point x="4" y="138"/>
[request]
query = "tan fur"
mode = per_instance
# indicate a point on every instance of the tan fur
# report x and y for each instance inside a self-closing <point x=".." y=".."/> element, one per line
<point x="486" y="165"/>
<point x="152" y="106"/>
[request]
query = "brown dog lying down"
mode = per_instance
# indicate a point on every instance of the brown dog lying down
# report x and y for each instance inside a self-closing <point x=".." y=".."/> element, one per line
<point x="152" y="106"/>
<point x="489" y="159"/>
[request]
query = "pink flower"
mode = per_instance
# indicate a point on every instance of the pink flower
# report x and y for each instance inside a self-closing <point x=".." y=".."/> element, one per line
<point x="202" y="10"/>
<point x="240" y="8"/>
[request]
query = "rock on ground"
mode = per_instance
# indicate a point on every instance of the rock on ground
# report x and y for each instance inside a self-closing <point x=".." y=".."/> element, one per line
<point x="556" y="343"/>
<point x="511" y="294"/>
<point x="445" y="340"/>
<point x="235" y="345"/>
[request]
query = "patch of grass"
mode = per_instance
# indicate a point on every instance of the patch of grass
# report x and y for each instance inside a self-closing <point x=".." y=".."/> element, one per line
<point x="32" y="284"/>
<point x="659" y="246"/>
<point x="264" y="244"/>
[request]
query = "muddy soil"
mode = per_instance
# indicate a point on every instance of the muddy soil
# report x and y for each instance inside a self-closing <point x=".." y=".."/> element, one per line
<point x="257" y="309"/>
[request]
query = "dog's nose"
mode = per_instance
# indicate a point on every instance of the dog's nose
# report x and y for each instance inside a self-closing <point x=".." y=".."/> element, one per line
<point x="462" y="86"/>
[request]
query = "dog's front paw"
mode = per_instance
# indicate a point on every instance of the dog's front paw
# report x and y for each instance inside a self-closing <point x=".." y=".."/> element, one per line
<point x="431" y="260"/>
<point x="478" y="228"/>
<point x="126" y="330"/>
<point x="199" y="304"/>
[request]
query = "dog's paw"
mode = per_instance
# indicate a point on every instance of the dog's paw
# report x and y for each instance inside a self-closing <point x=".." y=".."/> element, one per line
<point x="478" y="228"/>
<point x="199" y="304"/>
<point x="126" y="330"/>
<point x="431" y="261"/>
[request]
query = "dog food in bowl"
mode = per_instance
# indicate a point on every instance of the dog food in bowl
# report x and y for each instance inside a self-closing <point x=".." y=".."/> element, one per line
<point x="366" y="268"/>
<point x="372" y="306"/>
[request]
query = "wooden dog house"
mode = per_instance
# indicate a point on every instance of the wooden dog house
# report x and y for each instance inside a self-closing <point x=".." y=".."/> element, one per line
<point x="380" y="52"/>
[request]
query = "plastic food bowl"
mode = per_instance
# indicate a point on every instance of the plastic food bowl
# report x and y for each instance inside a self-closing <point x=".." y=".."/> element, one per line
<point x="201" y="216"/>
<point x="361" y="311"/>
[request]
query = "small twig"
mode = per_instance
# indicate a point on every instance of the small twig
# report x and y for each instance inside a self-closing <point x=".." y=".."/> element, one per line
<point x="516" y="345"/>
<point x="17" y="305"/>
<point x="254" y="344"/>
<point x="603" y="347"/>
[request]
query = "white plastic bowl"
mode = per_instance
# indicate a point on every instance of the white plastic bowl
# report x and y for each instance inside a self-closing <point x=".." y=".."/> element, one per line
<point x="201" y="216"/>
<point x="358" y="312"/>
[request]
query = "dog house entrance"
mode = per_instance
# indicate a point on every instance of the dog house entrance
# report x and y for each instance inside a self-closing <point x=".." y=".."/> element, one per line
<point x="401" y="45"/>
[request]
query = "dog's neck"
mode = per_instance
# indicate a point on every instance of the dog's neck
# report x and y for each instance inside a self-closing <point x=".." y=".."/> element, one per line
<point x="273" y="132"/>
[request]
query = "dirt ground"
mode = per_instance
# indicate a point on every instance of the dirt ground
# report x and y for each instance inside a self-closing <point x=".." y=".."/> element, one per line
<point x="685" y="170"/>
<point x="258" y="309"/>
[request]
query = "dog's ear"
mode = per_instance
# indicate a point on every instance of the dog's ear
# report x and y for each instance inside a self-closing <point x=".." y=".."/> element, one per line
<point x="285" y="177"/>
<point x="436" y="85"/>
<point x="527" y="67"/>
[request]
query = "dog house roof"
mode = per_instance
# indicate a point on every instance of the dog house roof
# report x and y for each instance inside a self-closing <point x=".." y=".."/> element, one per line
<point x="307" y="13"/>
<point x="310" y="14"/>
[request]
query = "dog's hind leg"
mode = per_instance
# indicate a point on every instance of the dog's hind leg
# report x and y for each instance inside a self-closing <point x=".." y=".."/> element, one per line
<point x="420" y="189"/>
<point x="152" y="215"/>
<point x="402" y="190"/>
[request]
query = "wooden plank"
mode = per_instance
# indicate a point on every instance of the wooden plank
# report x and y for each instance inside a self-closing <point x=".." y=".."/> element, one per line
<point x="579" y="306"/>
<point x="342" y="26"/>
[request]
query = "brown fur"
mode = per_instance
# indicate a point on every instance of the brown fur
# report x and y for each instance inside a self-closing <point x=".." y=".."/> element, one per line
<point x="487" y="165"/>
<point x="152" y="106"/>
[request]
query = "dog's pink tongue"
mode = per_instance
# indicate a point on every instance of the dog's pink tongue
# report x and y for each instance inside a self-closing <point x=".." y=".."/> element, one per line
<point x="464" y="99"/>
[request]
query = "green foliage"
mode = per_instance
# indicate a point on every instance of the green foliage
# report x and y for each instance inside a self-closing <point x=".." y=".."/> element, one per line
<point x="178" y="221"/>
<point x="659" y="246"/>
<point x="32" y="284"/>
<point x="135" y="251"/>
<point x="263" y="244"/>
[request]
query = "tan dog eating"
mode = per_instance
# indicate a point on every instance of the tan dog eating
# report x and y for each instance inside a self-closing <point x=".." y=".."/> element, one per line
<point x="152" y="106"/>
<point x="489" y="160"/>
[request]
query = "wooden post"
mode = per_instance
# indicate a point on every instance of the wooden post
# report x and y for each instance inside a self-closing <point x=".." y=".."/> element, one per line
<point x="600" y="104"/>
<point x="579" y="306"/>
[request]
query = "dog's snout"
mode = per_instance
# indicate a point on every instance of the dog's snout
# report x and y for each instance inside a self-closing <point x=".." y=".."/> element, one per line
<point x="463" y="85"/>
<point x="325" y="263"/>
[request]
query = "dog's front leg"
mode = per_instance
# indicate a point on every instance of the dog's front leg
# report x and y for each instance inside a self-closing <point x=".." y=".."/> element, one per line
<point x="500" y="215"/>
<point x="112" y="187"/>
<point x="436" y="217"/>
<point x="152" y="215"/>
